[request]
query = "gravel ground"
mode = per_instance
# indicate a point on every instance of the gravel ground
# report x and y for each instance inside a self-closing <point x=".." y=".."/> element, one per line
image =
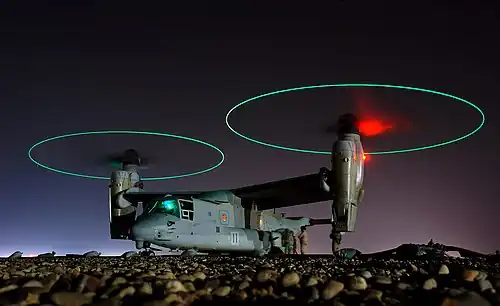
<point x="202" y="280"/>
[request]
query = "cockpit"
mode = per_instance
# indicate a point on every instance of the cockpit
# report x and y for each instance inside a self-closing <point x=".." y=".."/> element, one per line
<point x="180" y="208"/>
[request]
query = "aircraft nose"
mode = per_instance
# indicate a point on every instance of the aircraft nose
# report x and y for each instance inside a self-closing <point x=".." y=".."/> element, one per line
<point x="143" y="230"/>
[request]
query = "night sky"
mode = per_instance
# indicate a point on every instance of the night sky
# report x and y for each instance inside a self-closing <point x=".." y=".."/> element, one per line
<point x="180" y="69"/>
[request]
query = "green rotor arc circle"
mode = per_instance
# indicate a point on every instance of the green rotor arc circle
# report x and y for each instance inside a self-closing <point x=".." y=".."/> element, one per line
<point x="421" y="148"/>
<point x="221" y="153"/>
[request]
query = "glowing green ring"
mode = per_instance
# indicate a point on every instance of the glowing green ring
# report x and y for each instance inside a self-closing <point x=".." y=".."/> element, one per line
<point x="441" y="144"/>
<point x="127" y="132"/>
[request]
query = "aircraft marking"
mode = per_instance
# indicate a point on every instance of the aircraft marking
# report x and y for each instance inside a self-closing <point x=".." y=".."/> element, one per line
<point x="235" y="238"/>
<point x="224" y="217"/>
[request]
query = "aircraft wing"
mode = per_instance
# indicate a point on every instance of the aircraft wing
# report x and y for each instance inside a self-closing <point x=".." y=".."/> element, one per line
<point x="288" y="192"/>
<point x="147" y="197"/>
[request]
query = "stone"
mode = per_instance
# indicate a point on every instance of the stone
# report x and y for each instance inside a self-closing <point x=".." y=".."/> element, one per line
<point x="332" y="289"/>
<point x="199" y="275"/>
<point x="69" y="299"/>
<point x="403" y="286"/>
<point x="126" y="291"/>
<point x="222" y="291"/>
<point x="484" y="285"/>
<point x="443" y="270"/>
<point x="357" y="283"/>
<point x="374" y="295"/>
<point x="33" y="284"/>
<point x="290" y="279"/>
<point x="241" y="295"/>
<point x="175" y="286"/>
<point x="467" y="299"/>
<point x="414" y="268"/>
<point x="263" y="276"/>
<point x="470" y="275"/>
<point x="245" y="284"/>
<point x="383" y="280"/>
<point x="430" y="284"/>
<point x="311" y="281"/>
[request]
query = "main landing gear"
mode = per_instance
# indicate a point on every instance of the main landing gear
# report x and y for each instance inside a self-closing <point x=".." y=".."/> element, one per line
<point x="335" y="236"/>
<point x="336" y="240"/>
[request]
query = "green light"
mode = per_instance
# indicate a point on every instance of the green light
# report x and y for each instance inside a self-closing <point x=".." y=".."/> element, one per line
<point x="168" y="204"/>
<point x="165" y="206"/>
<point x="432" y="146"/>
<point x="222" y="157"/>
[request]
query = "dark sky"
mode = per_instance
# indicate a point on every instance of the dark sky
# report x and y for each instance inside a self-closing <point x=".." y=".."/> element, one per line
<point x="180" y="69"/>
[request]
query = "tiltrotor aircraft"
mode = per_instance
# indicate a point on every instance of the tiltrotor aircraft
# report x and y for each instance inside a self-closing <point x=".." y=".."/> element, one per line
<point x="238" y="220"/>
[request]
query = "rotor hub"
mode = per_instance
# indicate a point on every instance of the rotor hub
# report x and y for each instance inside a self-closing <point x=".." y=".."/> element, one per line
<point x="347" y="124"/>
<point x="131" y="157"/>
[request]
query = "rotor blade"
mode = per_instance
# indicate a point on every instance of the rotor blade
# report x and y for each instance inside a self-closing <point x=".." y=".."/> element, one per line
<point x="117" y="159"/>
<point x="107" y="161"/>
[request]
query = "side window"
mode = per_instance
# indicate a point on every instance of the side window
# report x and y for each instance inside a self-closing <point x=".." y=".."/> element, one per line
<point x="187" y="209"/>
<point x="217" y="229"/>
<point x="187" y="205"/>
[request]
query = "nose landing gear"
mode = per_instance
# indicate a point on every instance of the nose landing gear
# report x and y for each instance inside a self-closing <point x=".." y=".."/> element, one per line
<point x="145" y="248"/>
<point x="147" y="252"/>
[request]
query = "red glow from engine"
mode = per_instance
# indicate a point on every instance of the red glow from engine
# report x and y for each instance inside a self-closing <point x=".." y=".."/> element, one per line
<point x="373" y="127"/>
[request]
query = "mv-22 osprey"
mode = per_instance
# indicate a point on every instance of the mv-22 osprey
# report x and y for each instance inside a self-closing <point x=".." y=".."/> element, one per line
<point x="238" y="220"/>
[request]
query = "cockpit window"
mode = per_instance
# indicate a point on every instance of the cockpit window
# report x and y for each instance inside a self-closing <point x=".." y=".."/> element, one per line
<point x="188" y="205"/>
<point x="167" y="206"/>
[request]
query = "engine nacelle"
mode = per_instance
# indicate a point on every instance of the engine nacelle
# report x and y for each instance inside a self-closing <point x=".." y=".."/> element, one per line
<point x="347" y="180"/>
<point x="122" y="212"/>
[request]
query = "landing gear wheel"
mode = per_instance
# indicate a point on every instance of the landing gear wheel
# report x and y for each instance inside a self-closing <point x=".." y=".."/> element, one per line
<point x="147" y="253"/>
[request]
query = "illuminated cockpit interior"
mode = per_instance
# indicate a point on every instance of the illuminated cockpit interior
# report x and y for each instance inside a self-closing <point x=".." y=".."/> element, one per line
<point x="165" y="206"/>
<point x="180" y="208"/>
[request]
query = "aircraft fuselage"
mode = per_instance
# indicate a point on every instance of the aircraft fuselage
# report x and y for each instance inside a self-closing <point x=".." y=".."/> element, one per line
<point x="193" y="223"/>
